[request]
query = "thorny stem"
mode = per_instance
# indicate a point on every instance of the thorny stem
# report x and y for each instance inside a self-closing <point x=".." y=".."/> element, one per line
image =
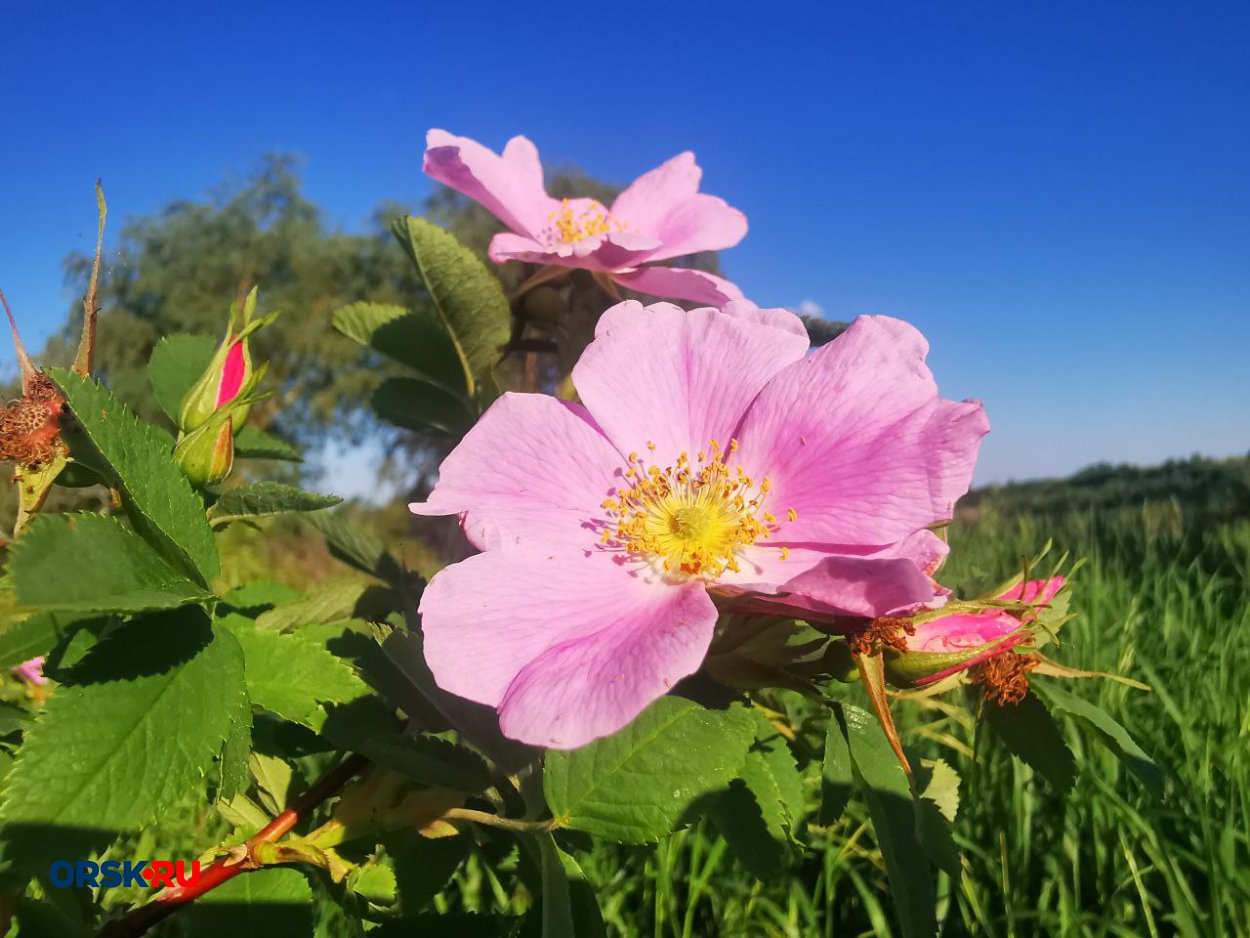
<point x="227" y="868"/>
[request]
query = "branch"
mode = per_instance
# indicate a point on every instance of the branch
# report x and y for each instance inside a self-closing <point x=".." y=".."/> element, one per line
<point x="221" y="871"/>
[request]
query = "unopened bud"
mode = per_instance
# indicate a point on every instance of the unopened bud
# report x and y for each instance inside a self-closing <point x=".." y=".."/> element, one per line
<point x="228" y="375"/>
<point x="207" y="455"/>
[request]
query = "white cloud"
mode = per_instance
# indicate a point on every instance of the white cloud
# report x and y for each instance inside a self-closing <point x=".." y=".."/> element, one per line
<point x="809" y="308"/>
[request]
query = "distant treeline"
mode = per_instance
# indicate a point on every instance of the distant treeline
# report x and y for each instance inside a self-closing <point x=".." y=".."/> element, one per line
<point x="1208" y="488"/>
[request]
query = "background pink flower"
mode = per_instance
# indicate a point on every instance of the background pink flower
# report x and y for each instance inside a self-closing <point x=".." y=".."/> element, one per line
<point x="713" y="463"/>
<point x="662" y="215"/>
<point x="31" y="671"/>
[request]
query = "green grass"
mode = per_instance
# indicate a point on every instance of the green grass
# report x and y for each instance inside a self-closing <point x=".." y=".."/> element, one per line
<point x="1160" y="603"/>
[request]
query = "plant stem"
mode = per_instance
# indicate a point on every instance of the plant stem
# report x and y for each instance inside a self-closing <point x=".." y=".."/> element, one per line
<point x="225" y="869"/>
<point x="494" y="820"/>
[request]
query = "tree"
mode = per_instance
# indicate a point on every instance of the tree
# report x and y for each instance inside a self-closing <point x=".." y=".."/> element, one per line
<point x="179" y="269"/>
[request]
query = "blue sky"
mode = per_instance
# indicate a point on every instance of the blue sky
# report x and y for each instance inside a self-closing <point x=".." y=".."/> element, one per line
<point x="1058" y="195"/>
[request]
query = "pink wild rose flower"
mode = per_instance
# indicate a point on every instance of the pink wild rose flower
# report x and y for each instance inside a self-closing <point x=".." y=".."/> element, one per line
<point x="713" y="462"/>
<point x="986" y="634"/>
<point x="31" y="671"/>
<point x="662" y="215"/>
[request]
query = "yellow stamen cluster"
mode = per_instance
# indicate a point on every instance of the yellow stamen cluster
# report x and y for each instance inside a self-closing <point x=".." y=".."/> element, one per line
<point x="571" y="227"/>
<point x="691" y="517"/>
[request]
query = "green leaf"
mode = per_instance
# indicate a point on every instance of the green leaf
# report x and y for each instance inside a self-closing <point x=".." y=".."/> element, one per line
<point x="467" y="297"/>
<point x="422" y="866"/>
<point x="266" y="498"/>
<point x="893" y="814"/>
<point x="35" y="636"/>
<point x="635" y="785"/>
<point x="837" y="774"/>
<point x="333" y="602"/>
<point x="133" y="730"/>
<point x="255" y="443"/>
<point x="417" y="405"/>
<point x="759" y="811"/>
<point x="356" y="547"/>
<point x="434" y="762"/>
<point x="263" y="904"/>
<point x="738" y="816"/>
<point x="91" y="563"/>
<point x="412" y="339"/>
<point x="1116" y="737"/>
<point x="232" y="774"/>
<point x="137" y="459"/>
<point x="1033" y="736"/>
<point x="773" y="777"/>
<point x="291" y="676"/>
<point x="177" y="363"/>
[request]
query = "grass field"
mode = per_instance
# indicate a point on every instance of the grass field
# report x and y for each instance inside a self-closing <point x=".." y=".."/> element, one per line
<point x="1159" y="602"/>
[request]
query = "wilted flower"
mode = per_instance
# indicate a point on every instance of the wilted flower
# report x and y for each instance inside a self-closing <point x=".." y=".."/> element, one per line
<point x="713" y="459"/>
<point x="662" y="215"/>
<point x="945" y="645"/>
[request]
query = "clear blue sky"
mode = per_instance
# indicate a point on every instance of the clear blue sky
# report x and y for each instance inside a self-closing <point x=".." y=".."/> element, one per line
<point x="1057" y="194"/>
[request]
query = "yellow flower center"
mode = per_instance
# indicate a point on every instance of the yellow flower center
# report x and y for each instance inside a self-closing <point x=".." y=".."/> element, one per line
<point x="570" y="225"/>
<point x="693" y="517"/>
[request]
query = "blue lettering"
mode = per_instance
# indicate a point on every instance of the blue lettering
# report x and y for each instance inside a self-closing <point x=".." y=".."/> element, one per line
<point x="111" y="871"/>
<point x="86" y="873"/>
<point x="132" y="874"/>
<point x="61" y="873"/>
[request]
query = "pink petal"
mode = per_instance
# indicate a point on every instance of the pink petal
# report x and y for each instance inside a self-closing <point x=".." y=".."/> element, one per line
<point x="776" y="317"/>
<point x="855" y="439"/>
<point x="607" y="253"/>
<point x="822" y="584"/>
<point x="510" y="186"/>
<point x="31" y="671"/>
<point x="679" y="283"/>
<point x="1034" y="592"/>
<point x="963" y="630"/>
<point x="568" y="646"/>
<point x="666" y="203"/>
<point x="533" y="470"/>
<point x="678" y="379"/>
<point x="231" y="375"/>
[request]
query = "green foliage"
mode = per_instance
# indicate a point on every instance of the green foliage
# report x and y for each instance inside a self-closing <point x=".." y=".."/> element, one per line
<point x="135" y="457"/>
<point x="259" y="499"/>
<point x="264" y="904"/>
<point x="177" y="362"/>
<point x="35" y="635"/>
<point x="291" y="676"/>
<point x="1030" y="732"/>
<point x="253" y="443"/>
<point x="133" y="730"/>
<point x="421" y="407"/>
<point x="608" y="787"/>
<point x="415" y="340"/>
<point x="466" y="297"/>
<point x="90" y="563"/>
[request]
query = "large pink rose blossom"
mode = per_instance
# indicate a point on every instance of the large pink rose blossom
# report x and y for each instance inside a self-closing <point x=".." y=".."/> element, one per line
<point x="713" y="463"/>
<point x="661" y="216"/>
<point x="985" y="634"/>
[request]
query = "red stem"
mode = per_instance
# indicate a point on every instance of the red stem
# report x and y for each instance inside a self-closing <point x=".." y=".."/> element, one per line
<point x="138" y="921"/>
